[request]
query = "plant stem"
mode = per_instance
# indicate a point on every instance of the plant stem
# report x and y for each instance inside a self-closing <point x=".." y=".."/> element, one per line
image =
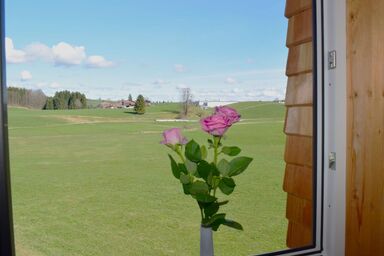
<point x="215" y="155"/>
<point x="178" y="151"/>
<point x="201" y="213"/>
<point x="216" y="142"/>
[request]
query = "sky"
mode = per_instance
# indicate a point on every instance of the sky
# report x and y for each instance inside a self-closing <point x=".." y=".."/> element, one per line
<point x="227" y="50"/>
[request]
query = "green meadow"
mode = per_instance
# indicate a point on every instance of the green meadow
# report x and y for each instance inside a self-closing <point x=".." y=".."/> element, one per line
<point x="97" y="182"/>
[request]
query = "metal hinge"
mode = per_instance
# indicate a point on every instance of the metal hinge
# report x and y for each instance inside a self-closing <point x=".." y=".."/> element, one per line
<point x="332" y="59"/>
<point x="332" y="161"/>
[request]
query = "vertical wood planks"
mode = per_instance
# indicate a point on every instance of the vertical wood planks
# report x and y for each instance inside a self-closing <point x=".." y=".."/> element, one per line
<point x="365" y="152"/>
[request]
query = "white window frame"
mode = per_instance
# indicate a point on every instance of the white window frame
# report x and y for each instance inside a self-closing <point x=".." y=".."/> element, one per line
<point x="330" y="129"/>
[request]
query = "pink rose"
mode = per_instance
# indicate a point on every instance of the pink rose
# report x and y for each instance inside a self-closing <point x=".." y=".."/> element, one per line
<point x="173" y="137"/>
<point x="216" y="124"/>
<point x="230" y="113"/>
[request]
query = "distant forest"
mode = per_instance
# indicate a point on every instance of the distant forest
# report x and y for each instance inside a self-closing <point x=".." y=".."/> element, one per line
<point x="38" y="100"/>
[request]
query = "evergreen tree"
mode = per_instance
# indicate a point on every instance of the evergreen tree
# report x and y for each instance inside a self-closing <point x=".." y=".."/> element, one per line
<point x="140" y="105"/>
<point x="83" y="101"/>
<point x="69" y="100"/>
<point x="130" y="97"/>
<point x="61" y="99"/>
<point x="49" y="104"/>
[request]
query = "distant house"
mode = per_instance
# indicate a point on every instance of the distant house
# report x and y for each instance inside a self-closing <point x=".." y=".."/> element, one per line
<point x="279" y="101"/>
<point x="127" y="103"/>
<point x="105" y="105"/>
<point x="110" y="105"/>
<point x="117" y="104"/>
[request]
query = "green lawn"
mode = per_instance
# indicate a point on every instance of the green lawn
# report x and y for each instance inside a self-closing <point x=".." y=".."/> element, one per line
<point x="97" y="182"/>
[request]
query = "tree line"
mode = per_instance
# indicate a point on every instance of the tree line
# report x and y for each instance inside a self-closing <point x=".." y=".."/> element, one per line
<point x="37" y="99"/>
<point x="26" y="98"/>
<point x="66" y="100"/>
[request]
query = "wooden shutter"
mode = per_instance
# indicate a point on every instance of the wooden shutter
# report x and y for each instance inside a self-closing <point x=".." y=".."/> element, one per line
<point x="298" y="124"/>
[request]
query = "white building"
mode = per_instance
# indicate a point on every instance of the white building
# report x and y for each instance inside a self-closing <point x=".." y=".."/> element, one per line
<point x="212" y="104"/>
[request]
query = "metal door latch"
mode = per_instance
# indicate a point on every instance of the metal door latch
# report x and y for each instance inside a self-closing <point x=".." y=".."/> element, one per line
<point x="332" y="59"/>
<point x="332" y="161"/>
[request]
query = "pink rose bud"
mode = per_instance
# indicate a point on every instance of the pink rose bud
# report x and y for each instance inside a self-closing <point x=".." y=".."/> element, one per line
<point x="173" y="137"/>
<point x="230" y="113"/>
<point x="216" y="124"/>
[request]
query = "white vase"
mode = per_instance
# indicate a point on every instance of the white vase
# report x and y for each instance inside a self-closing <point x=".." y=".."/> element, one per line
<point x="206" y="241"/>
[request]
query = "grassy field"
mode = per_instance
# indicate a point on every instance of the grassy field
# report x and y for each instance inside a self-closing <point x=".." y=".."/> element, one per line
<point x="97" y="182"/>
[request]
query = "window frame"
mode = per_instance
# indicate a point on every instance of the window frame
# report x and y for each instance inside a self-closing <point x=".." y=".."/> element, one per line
<point x="318" y="71"/>
<point x="328" y="185"/>
<point x="7" y="246"/>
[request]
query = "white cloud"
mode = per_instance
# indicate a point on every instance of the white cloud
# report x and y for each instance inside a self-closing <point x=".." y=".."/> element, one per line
<point x="179" y="68"/>
<point x="236" y="90"/>
<point x="39" y="51"/>
<point x="230" y="80"/>
<point x="14" y="55"/>
<point x="160" y="82"/>
<point x="61" y="54"/>
<point x="182" y="86"/>
<point x="48" y="85"/>
<point x="244" y="73"/>
<point x="272" y="93"/>
<point x="54" y="85"/>
<point x="65" y="54"/>
<point x="25" y="75"/>
<point x="97" y="61"/>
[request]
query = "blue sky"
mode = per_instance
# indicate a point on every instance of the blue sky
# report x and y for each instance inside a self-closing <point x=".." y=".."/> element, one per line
<point x="221" y="49"/>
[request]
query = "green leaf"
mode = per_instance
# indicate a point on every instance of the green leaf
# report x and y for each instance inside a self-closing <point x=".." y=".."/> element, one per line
<point x="205" y="198"/>
<point x="211" y="209"/>
<point x="223" y="203"/>
<point x="238" y="165"/>
<point x="210" y="180"/>
<point x="183" y="168"/>
<point x="231" y="151"/>
<point x="215" y="181"/>
<point x="185" y="179"/>
<point x="204" y="152"/>
<point x="214" y="169"/>
<point x="175" y="167"/>
<point x="191" y="166"/>
<point x="227" y="185"/>
<point x="198" y="187"/>
<point x="186" y="188"/>
<point x="204" y="169"/>
<point x="192" y="151"/>
<point x="223" y="167"/>
<point x="233" y="224"/>
<point x="216" y="220"/>
<point x="219" y="216"/>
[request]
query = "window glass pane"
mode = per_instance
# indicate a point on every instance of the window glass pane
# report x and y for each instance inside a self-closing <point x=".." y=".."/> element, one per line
<point x="89" y="175"/>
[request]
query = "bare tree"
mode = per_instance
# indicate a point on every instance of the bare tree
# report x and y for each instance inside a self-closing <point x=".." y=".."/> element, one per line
<point x="186" y="100"/>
